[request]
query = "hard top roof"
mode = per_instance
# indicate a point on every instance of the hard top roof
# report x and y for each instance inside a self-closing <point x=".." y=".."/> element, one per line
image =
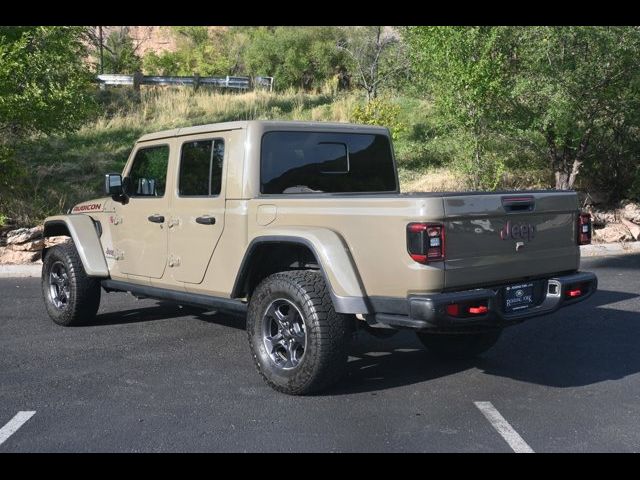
<point x="216" y="127"/>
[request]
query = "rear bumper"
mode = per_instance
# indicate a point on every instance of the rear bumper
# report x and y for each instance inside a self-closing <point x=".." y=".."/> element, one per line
<point x="429" y="312"/>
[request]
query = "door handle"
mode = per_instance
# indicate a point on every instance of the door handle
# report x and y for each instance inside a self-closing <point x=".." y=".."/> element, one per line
<point x="155" y="218"/>
<point x="206" y="220"/>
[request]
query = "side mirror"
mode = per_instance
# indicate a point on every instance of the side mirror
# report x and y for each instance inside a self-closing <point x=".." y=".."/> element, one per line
<point x="113" y="186"/>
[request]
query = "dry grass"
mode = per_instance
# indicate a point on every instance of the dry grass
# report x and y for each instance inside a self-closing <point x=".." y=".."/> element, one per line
<point x="436" y="180"/>
<point x="161" y="108"/>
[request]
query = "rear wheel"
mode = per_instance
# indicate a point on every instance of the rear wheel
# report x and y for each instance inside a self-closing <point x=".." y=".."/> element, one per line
<point x="459" y="345"/>
<point x="70" y="295"/>
<point x="298" y="341"/>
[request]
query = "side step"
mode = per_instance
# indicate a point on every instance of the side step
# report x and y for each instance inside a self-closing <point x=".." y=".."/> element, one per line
<point x="183" y="298"/>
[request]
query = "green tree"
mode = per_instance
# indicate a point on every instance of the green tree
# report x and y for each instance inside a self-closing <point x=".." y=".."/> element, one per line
<point x="466" y="71"/>
<point x="569" y="93"/>
<point x="120" y="53"/>
<point x="376" y="55"/>
<point x="45" y="87"/>
<point x="577" y="87"/>
<point x="200" y="50"/>
<point x="301" y="57"/>
<point x="45" y="84"/>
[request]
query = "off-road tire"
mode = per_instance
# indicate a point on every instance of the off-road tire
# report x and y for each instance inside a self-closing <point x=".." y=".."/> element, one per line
<point x="83" y="291"/>
<point x="459" y="345"/>
<point x="328" y="333"/>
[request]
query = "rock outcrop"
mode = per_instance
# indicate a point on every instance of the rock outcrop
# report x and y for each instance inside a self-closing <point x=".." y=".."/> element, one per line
<point x="25" y="245"/>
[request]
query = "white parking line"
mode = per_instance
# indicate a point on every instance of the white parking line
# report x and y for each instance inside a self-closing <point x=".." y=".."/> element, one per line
<point x="507" y="432"/>
<point x="14" y="424"/>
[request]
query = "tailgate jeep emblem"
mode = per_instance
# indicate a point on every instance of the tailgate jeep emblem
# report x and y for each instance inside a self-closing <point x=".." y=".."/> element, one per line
<point x="518" y="231"/>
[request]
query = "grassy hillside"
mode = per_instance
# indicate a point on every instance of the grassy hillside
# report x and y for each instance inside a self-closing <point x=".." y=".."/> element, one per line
<point x="63" y="170"/>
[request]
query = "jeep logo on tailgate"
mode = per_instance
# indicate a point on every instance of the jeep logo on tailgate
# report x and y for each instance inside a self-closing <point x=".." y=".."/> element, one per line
<point x="518" y="231"/>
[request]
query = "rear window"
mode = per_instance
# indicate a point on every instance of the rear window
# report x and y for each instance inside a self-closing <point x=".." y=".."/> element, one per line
<point x="318" y="162"/>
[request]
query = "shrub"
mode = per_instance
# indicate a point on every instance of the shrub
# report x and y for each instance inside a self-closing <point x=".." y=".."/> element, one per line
<point x="379" y="111"/>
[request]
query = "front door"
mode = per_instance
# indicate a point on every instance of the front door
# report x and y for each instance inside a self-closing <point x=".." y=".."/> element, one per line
<point x="197" y="208"/>
<point x="139" y="227"/>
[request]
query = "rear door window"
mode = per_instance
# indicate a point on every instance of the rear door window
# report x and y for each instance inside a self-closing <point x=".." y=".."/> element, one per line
<point x="201" y="168"/>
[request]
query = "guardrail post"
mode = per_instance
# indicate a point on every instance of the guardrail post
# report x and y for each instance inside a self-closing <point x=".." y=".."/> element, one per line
<point x="137" y="81"/>
<point x="196" y="82"/>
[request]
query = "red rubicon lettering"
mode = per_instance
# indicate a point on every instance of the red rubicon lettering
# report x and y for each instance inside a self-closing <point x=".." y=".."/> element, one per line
<point x="90" y="207"/>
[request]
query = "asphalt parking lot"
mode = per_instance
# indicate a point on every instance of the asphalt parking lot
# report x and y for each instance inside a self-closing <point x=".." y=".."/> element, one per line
<point x="149" y="377"/>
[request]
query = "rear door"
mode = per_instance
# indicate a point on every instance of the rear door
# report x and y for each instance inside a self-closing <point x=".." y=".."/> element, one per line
<point x="500" y="237"/>
<point x="197" y="210"/>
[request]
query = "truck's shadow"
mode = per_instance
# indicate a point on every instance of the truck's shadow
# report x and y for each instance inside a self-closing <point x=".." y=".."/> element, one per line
<point x="166" y="310"/>
<point x="589" y="343"/>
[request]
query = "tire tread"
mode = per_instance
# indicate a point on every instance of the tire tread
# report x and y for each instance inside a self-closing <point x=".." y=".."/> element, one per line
<point x="85" y="289"/>
<point x="331" y="330"/>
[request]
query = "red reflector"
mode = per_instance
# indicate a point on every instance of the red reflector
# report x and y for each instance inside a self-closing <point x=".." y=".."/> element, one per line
<point x="478" y="310"/>
<point x="574" y="293"/>
<point x="419" y="258"/>
<point x="453" y="310"/>
<point x="417" y="227"/>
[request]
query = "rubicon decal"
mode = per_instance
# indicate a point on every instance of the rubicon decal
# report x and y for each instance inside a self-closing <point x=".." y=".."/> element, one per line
<point x="87" y="207"/>
<point x="518" y="231"/>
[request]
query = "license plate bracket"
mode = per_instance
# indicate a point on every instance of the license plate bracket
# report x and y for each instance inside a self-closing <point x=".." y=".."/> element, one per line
<point x="518" y="297"/>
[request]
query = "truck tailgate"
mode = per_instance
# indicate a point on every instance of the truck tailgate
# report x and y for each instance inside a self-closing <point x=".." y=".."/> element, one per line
<point x="496" y="238"/>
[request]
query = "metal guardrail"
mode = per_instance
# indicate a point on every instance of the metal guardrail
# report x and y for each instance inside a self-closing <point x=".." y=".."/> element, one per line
<point x="238" y="83"/>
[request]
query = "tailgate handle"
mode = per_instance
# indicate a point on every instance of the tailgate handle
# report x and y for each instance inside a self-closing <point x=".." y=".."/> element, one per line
<point x="518" y="204"/>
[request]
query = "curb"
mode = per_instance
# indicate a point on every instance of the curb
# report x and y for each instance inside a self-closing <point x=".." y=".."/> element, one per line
<point x="604" y="249"/>
<point x="20" y="271"/>
<point x="593" y="250"/>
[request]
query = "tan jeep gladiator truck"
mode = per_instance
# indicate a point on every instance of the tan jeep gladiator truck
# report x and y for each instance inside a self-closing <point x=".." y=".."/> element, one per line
<point x="302" y="227"/>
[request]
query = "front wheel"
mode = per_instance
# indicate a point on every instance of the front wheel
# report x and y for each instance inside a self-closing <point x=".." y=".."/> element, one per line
<point x="298" y="341"/>
<point x="70" y="295"/>
<point x="459" y="345"/>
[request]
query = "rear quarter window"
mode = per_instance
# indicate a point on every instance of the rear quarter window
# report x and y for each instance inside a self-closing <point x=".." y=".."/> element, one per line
<point x="320" y="162"/>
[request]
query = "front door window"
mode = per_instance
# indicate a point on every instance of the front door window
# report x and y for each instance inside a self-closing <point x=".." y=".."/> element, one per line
<point x="148" y="175"/>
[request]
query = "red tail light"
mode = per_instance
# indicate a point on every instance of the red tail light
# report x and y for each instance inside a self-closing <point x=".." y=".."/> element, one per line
<point x="584" y="229"/>
<point x="573" y="293"/>
<point x="478" y="310"/>
<point x="425" y="242"/>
